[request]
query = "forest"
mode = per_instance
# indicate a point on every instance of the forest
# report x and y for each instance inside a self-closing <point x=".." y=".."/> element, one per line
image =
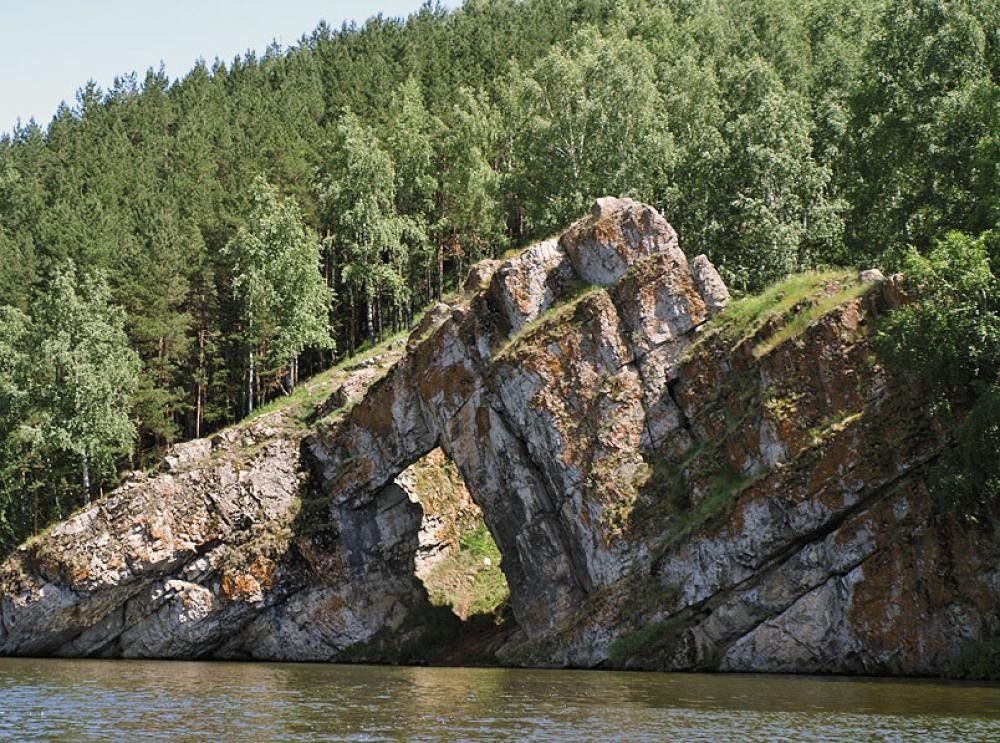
<point x="175" y="253"/>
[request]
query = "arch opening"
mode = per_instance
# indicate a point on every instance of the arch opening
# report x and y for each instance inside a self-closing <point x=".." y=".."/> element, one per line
<point x="457" y="559"/>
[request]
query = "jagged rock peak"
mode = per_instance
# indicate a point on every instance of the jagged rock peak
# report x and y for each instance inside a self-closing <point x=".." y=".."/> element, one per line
<point x="617" y="233"/>
<point x="597" y="250"/>
<point x="710" y="285"/>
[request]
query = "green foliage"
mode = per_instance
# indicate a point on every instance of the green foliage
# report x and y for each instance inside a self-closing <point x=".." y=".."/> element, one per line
<point x="794" y="303"/>
<point x="780" y="211"/>
<point x="588" y="121"/>
<point x="969" y="472"/>
<point x="926" y="109"/>
<point x="284" y="300"/>
<point x="647" y="642"/>
<point x="357" y="190"/>
<point x="83" y="371"/>
<point x="950" y="336"/>
<point x="804" y="315"/>
<point x="470" y="225"/>
<point x="67" y="378"/>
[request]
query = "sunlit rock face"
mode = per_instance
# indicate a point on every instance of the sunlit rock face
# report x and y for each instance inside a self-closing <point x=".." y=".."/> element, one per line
<point x="546" y="388"/>
<point x="668" y="489"/>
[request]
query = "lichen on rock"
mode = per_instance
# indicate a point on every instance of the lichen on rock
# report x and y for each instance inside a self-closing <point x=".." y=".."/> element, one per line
<point x="673" y="480"/>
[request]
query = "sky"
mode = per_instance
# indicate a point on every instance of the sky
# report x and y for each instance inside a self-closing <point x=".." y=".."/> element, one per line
<point x="50" y="48"/>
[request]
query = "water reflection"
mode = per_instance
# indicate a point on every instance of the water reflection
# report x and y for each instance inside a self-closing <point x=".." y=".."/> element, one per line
<point x="186" y="701"/>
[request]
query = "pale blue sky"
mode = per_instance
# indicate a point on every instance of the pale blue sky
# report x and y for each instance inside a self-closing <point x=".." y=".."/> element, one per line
<point x="50" y="48"/>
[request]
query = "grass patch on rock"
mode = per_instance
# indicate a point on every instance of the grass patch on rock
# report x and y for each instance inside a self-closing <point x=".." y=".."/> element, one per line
<point x="553" y="318"/>
<point x="300" y="405"/>
<point x="791" y="306"/>
<point x="470" y="581"/>
<point x="649" y="642"/>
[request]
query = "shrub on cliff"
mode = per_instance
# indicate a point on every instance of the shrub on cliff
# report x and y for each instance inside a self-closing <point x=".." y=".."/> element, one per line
<point x="969" y="475"/>
<point x="950" y="338"/>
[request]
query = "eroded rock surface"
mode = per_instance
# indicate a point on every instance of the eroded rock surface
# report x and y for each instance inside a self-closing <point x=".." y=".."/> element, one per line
<point x="220" y="556"/>
<point x="168" y="566"/>
<point x="668" y="489"/>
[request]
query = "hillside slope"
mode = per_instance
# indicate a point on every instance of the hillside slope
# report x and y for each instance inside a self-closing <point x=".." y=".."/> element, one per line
<point x="672" y="483"/>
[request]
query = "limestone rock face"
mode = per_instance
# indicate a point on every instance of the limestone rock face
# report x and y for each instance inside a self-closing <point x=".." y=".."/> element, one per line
<point x="528" y="284"/>
<point x="214" y="558"/>
<point x="617" y="233"/>
<point x="710" y="284"/>
<point x="161" y="567"/>
<point x="668" y="490"/>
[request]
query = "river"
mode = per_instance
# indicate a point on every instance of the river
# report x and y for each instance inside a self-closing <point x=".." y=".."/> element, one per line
<point x="98" y="700"/>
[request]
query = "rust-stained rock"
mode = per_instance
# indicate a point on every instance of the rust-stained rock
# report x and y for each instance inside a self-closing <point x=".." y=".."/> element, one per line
<point x="479" y="276"/>
<point x="617" y="233"/>
<point x="528" y="284"/>
<point x="749" y="501"/>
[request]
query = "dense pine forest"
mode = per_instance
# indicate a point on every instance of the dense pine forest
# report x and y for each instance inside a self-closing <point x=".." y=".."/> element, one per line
<point x="174" y="254"/>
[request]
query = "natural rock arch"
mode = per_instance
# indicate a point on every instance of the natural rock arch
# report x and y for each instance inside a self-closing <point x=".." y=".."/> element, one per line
<point x="549" y="435"/>
<point x="750" y="496"/>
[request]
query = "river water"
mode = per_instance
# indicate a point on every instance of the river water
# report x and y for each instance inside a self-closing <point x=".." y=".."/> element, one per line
<point x="129" y="700"/>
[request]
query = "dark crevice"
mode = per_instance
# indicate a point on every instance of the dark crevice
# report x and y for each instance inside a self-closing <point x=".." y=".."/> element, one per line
<point x="580" y="574"/>
<point x="684" y="420"/>
<point x="203" y="549"/>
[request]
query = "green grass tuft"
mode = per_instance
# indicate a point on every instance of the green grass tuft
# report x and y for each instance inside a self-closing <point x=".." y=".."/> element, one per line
<point x="302" y="403"/>
<point x="554" y="317"/>
<point x="470" y="581"/>
<point x="802" y="299"/>
<point x="650" y="640"/>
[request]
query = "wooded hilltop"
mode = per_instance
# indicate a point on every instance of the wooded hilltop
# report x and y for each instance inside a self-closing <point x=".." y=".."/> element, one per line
<point x="173" y="254"/>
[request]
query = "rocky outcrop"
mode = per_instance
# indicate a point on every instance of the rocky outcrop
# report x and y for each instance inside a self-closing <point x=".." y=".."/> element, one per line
<point x="544" y="389"/>
<point x="671" y="485"/>
<point x="219" y="555"/>
<point x="168" y="566"/>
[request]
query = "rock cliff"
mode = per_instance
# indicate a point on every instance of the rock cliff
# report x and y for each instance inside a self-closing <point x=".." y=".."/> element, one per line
<point x="672" y="483"/>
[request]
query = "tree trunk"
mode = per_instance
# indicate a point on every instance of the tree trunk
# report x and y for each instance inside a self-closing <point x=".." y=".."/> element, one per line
<point x="250" y="387"/>
<point x="440" y="262"/>
<point x="86" y="479"/>
<point x="370" y="310"/>
<point x="354" y="324"/>
<point x="200" y="391"/>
